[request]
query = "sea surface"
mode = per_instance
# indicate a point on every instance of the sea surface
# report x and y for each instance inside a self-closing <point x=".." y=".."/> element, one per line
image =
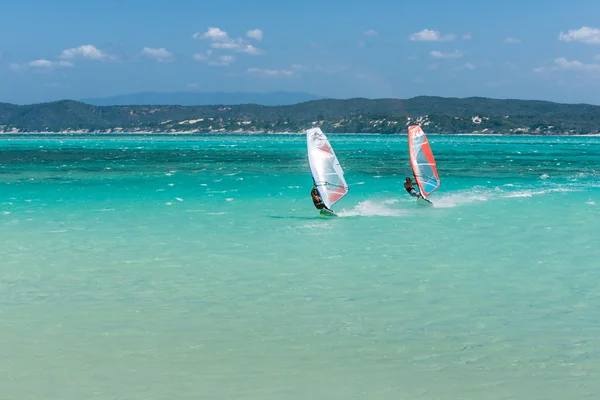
<point x="196" y="267"/>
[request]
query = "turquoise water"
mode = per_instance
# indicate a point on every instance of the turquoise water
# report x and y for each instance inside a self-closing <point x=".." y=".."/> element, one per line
<point x="197" y="267"/>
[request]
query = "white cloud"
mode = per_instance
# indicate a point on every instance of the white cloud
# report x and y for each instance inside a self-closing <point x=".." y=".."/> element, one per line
<point x="255" y="34"/>
<point x="597" y="57"/>
<point x="319" y="68"/>
<point x="562" y="64"/>
<point x="49" y="64"/>
<point x="40" y="64"/>
<point x="225" y="45"/>
<point x="160" y="54"/>
<point x="468" y="65"/>
<point x="249" y="49"/>
<point x="584" y="34"/>
<point x="203" y="57"/>
<point x="512" y="40"/>
<point x="468" y="36"/>
<point x="221" y="61"/>
<point x="215" y="34"/>
<point x="86" y="51"/>
<point x="439" y="54"/>
<point x="431" y="36"/>
<point x="271" y="72"/>
<point x="368" y="33"/>
<point x="221" y="40"/>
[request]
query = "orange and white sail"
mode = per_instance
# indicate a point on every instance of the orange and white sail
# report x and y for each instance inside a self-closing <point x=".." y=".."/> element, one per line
<point x="422" y="161"/>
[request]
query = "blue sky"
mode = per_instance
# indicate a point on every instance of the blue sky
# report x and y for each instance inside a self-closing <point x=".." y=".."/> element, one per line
<point x="547" y="50"/>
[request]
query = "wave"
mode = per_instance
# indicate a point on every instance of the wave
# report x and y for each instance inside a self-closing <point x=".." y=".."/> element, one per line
<point x="508" y="191"/>
<point x="399" y="207"/>
<point x="458" y="199"/>
<point x="371" y="208"/>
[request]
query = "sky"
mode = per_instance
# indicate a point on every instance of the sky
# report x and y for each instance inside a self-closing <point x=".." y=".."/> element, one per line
<point x="74" y="49"/>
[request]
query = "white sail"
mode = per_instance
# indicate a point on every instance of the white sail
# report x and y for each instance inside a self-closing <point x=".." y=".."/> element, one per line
<point x="325" y="168"/>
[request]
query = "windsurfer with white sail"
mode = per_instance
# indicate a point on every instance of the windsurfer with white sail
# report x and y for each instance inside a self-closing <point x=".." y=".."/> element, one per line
<point x="317" y="200"/>
<point x="329" y="185"/>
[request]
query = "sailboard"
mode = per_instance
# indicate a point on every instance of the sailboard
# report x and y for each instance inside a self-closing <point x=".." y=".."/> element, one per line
<point x="325" y="169"/>
<point x="423" y="164"/>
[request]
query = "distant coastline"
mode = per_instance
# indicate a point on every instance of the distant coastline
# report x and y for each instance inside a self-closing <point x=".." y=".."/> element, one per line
<point x="437" y="115"/>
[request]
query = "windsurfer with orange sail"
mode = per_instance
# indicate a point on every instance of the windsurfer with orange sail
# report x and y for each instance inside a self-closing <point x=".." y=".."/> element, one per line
<point x="408" y="185"/>
<point x="423" y="166"/>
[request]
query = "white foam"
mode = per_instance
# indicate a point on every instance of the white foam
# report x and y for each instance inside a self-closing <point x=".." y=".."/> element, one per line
<point x="581" y="175"/>
<point x="458" y="199"/>
<point x="531" y="193"/>
<point x="318" y="226"/>
<point x="369" y="208"/>
<point x="520" y="194"/>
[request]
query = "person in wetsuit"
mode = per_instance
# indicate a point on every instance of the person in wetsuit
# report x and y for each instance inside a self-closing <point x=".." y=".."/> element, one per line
<point x="316" y="198"/>
<point x="408" y="185"/>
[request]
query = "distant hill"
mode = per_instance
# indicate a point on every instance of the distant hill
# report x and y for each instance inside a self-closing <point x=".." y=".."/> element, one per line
<point x="204" y="98"/>
<point x="358" y="115"/>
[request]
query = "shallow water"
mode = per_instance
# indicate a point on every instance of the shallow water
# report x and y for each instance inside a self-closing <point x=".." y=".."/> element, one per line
<point x="197" y="267"/>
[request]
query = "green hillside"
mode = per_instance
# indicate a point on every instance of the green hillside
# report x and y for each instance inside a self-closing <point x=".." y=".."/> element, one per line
<point x="436" y="114"/>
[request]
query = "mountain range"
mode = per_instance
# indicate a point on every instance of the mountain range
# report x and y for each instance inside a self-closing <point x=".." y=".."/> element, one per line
<point x="357" y="115"/>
